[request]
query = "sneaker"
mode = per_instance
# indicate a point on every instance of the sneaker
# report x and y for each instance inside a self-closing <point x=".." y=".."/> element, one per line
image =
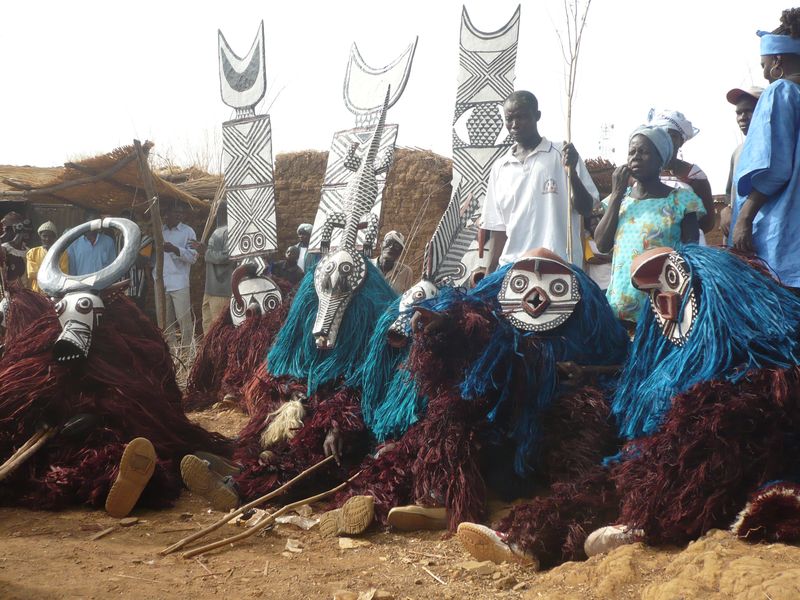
<point x="201" y="480"/>
<point x="219" y="464"/>
<point x="136" y="467"/>
<point x="607" y="538"/>
<point x="352" y="518"/>
<point x="416" y="518"/>
<point x="484" y="543"/>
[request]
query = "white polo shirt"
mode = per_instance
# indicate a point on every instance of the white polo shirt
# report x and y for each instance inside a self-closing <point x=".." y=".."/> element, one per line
<point x="528" y="200"/>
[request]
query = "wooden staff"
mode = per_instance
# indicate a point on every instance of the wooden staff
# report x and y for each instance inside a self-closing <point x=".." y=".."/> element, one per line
<point x="158" y="235"/>
<point x="266" y="520"/>
<point x="212" y="212"/>
<point x="24" y="452"/>
<point x="227" y="518"/>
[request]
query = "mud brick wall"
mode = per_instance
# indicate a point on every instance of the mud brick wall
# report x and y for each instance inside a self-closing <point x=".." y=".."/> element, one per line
<point x="417" y="192"/>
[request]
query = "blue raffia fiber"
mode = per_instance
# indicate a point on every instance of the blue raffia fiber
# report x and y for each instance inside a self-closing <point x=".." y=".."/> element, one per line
<point x="745" y="321"/>
<point x="389" y="398"/>
<point x="590" y="336"/>
<point x="294" y="352"/>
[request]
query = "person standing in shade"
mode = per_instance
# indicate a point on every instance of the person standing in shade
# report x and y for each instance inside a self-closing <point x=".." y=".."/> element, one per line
<point x="179" y="257"/>
<point x="526" y="204"/>
<point x="217" y="296"/>
<point x="91" y="252"/>
<point x="48" y="234"/>
<point x="303" y="239"/>
<point x="137" y="275"/>
<point x="16" y="233"/>
<point x="288" y="268"/>
<point x="745" y="103"/>
<point x="397" y="274"/>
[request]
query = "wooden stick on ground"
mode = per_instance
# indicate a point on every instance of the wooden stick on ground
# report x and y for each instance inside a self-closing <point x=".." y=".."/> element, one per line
<point x="25" y="451"/>
<point x="227" y="518"/>
<point x="266" y="520"/>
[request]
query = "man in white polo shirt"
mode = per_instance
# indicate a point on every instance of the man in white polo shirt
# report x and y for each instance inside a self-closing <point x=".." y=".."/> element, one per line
<point x="526" y="199"/>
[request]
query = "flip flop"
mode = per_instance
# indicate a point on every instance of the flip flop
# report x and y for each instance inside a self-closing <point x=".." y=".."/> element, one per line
<point x="135" y="470"/>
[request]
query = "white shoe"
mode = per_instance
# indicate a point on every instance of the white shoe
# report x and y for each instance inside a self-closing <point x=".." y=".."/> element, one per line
<point x="484" y="543"/>
<point x="607" y="538"/>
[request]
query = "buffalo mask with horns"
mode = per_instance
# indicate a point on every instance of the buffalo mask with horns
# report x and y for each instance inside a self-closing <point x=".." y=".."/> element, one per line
<point x="79" y="298"/>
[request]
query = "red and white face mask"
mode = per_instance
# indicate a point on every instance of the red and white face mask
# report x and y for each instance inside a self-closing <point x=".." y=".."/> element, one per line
<point x="666" y="278"/>
<point x="539" y="292"/>
<point x="253" y="297"/>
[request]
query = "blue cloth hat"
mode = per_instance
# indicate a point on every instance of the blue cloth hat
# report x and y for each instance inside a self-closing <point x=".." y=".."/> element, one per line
<point x="774" y="43"/>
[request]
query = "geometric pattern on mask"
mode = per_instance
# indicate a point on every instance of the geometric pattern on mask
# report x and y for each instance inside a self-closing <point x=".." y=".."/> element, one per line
<point x="486" y="76"/>
<point x="344" y="156"/>
<point x="242" y="80"/>
<point x="250" y="193"/>
<point x="676" y="277"/>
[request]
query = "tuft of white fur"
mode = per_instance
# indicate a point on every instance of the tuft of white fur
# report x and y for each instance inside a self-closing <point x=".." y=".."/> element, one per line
<point x="775" y="489"/>
<point x="283" y="423"/>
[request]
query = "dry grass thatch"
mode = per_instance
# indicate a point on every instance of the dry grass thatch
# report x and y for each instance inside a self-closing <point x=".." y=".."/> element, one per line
<point x="109" y="183"/>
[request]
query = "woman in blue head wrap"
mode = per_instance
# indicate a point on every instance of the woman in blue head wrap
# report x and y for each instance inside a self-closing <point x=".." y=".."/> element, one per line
<point x="766" y="212"/>
<point x="643" y="213"/>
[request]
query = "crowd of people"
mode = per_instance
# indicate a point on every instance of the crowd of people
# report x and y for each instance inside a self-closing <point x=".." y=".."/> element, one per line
<point x="651" y="400"/>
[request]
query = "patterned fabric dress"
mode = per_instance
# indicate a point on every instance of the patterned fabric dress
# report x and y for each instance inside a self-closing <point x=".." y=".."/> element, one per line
<point x="644" y="224"/>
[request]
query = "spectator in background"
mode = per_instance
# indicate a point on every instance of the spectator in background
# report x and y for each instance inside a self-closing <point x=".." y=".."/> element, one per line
<point x="137" y="275"/>
<point x="16" y="233"/>
<point x="678" y="172"/>
<point x="397" y="274"/>
<point x="745" y="103"/>
<point x="179" y="256"/>
<point x="767" y="208"/>
<point x="288" y="269"/>
<point x="217" y="296"/>
<point x="526" y="204"/>
<point x="48" y="234"/>
<point x="645" y="215"/>
<point x="92" y="251"/>
<point x="303" y="239"/>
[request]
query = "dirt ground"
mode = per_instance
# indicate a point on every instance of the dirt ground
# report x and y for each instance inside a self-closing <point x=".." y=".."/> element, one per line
<point x="53" y="555"/>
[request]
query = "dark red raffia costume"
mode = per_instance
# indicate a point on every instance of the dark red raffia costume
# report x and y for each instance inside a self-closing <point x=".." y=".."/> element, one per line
<point x="128" y="381"/>
<point x="229" y="356"/>
<point x="720" y="441"/>
<point x="440" y="461"/>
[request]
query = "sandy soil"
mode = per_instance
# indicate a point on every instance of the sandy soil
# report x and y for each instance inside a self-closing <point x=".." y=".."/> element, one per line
<point x="53" y="555"/>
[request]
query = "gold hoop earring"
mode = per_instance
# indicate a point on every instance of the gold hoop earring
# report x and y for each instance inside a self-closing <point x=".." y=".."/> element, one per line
<point x="772" y="72"/>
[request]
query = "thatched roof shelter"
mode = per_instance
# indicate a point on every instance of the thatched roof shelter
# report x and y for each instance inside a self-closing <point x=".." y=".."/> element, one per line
<point x="109" y="183"/>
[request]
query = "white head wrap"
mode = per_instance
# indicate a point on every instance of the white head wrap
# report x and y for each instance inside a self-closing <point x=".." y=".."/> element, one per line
<point x="674" y="120"/>
<point x="305" y="228"/>
<point x="395" y="236"/>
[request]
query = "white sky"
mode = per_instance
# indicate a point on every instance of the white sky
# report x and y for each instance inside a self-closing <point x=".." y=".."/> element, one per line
<point x="82" y="77"/>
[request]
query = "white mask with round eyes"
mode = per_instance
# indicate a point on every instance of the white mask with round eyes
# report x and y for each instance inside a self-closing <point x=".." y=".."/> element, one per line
<point x="671" y="295"/>
<point x="78" y="313"/>
<point x="336" y="278"/>
<point x="259" y="296"/>
<point x="538" y="294"/>
<point x="401" y="328"/>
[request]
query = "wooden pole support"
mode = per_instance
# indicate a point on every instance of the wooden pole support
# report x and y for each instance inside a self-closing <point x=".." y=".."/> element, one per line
<point x="158" y="235"/>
